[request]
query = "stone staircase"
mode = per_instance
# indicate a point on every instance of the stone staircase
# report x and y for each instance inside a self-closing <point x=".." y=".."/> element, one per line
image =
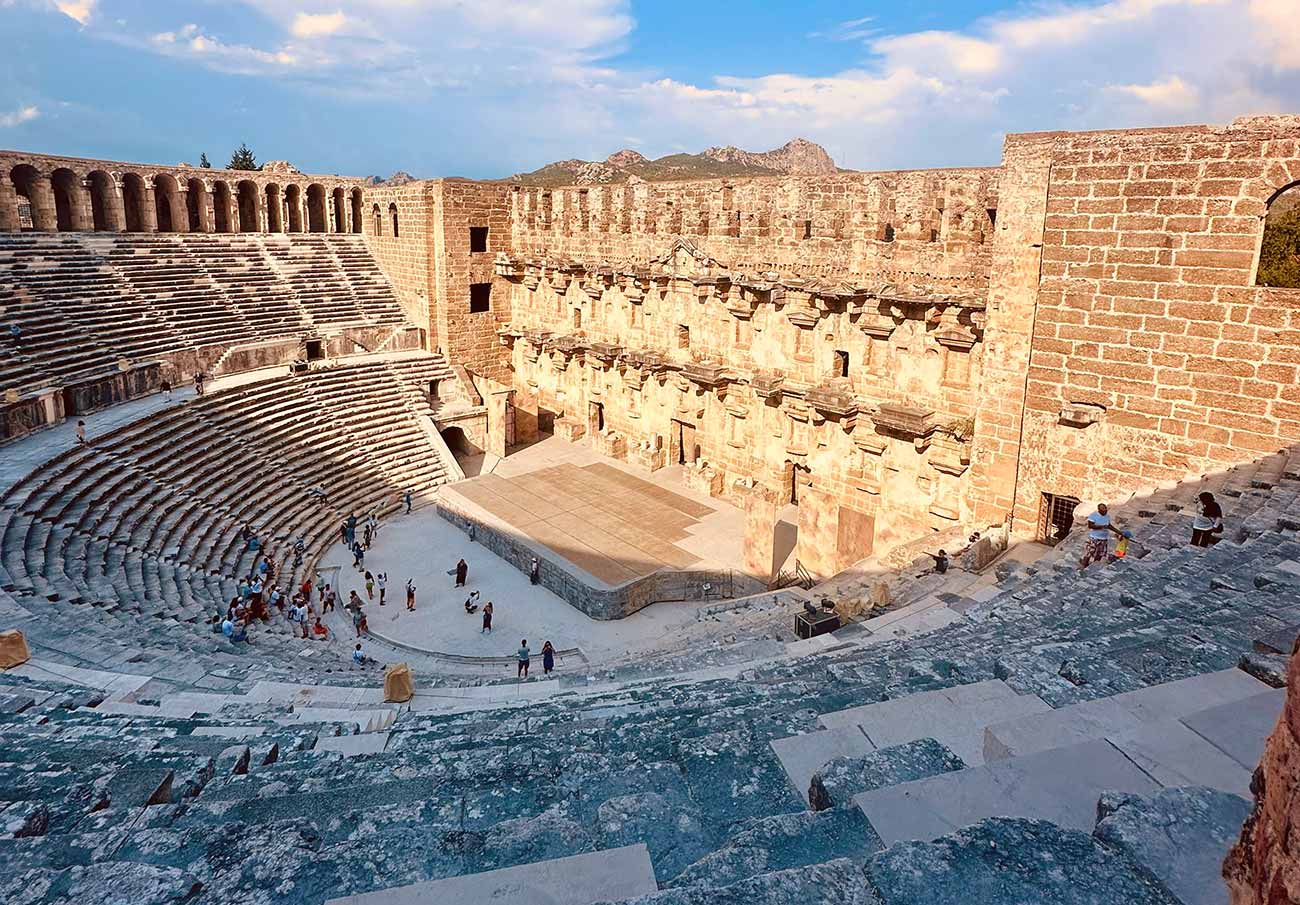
<point x="132" y="542"/>
<point x="1069" y="739"/>
<point x="86" y="301"/>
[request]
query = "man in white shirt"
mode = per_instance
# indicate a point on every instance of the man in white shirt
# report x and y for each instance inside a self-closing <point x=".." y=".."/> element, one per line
<point x="1097" y="547"/>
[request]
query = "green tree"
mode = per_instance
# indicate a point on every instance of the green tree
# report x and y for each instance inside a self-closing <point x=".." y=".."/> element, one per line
<point x="1279" y="257"/>
<point x="204" y="163"/>
<point x="243" y="159"/>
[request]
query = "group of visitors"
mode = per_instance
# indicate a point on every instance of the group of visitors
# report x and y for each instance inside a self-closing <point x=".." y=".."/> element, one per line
<point x="1207" y="526"/>
<point x="524" y="655"/>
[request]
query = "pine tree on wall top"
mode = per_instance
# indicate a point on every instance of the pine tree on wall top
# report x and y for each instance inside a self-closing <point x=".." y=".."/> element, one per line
<point x="243" y="159"/>
<point x="204" y="163"/>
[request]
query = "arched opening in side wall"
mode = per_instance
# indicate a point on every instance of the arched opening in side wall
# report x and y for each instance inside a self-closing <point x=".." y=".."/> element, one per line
<point x="23" y="178"/>
<point x="379" y="221"/>
<point x="133" y="202"/>
<point x="102" y="190"/>
<point x="340" y="211"/>
<point x="221" y="207"/>
<point x="248" y="214"/>
<point x="293" y="201"/>
<point x="356" y="211"/>
<point x="392" y="216"/>
<point x="274" y="210"/>
<point x="316" y="207"/>
<point x="63" y="182"/>
<point x="164" y="199"/>
<point x="195" y="195"/>
<point x="1279" y="252"/>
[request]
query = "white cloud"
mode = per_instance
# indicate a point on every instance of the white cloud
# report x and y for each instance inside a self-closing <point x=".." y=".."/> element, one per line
<point x="316" y="25"/>
<point x="1171" y="93"/>
<point x="19" y="116"/>
<point x="959" y="52"/>
<point x="80" y="10"/>
<point x="1278" y="30"/>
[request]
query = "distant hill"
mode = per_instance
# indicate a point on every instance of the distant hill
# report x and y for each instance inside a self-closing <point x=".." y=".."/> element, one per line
<point x="795" y="158"/>
<point x="401" y="177"/>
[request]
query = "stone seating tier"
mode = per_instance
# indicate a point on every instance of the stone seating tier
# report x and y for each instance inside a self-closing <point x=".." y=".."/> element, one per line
<point x="85" y="302"/>
<point x="249" y="804"/>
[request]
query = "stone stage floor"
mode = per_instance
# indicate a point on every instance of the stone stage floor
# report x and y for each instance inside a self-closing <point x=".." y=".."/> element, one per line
<point x="610" y="521"/>
<point x="424" y="546"/>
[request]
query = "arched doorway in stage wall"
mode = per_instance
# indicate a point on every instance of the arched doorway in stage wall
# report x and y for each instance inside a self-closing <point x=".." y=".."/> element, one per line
<point x="248" y="218"/>
<point x="164" y="196"/>
<point x="467" y="453"/>
<point x="194" y="204"/>
<point x="221" y="207"/>
<point x="22" y="178"/>
<point x="274" y="209"/>
<point x="63" y="182"/>
<point x="356" y="212"/>
<point x="379" y="221"/>
<point x="316" y="208"/>
<point x="293" y="201"/>
<point x="133" y="202"/>
<point x="102" y="189"/>
<point x="340" y="211"/>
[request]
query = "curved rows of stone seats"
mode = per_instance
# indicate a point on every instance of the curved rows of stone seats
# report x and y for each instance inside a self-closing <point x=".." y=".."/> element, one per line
<point x="686" y="783"/>
<point x="84" y="302"/>
<point x="140" y="529"/>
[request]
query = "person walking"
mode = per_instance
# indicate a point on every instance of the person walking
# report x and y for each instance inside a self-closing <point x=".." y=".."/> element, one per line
<point x="358" y="556"/>
<point x="1097" y="547"/>
<point x="410" y="595"/>
<point x="462" y="572"/>
<point x="199" y="378"/>
<point x="487" y="618"/>
<point x="354" y="607"/>
<point x="523" y="655"/>
<point x="165" y="386"/>
<point x="406" y="498"/>
<point x="1208" y="520"/>
<point x="370" y="587"/>
<point x="548" y="658"/>
<point x="535" y="572"/>
<point x="81" y="432"/>
<point x="381" y="581"/>
<point x="352" y="527"/>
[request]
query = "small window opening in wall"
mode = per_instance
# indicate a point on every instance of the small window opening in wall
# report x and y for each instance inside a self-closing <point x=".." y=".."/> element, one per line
<point x="993" y="215"/>
<point x="478" y="236"/>
<point x="1279" y="255"/>
<point x="577" y="318"/>
<point x="841" y="363"/>
<point x="1055" y="517"/>
<point x="807" y="229"/>
<point x="683" y="336"/>
<point x="480" y="297"/>
<point x="888" y="234"/>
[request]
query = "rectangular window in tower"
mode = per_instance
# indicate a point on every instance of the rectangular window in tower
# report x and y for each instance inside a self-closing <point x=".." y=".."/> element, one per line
<point x="683" y="336"/>
<point x="841" y="363"/>
<point x="478" y="239"/>
<point x="480" y="297"/>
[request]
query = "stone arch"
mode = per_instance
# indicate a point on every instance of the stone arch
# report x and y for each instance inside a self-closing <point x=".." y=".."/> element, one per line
<point x="29" y="217"/>
<point x="104" y="202"/>
<point x="67" y="200"/>
<point x="379" y="220"/>
<point x="316" y="208"/>
<point x="274" y="209"/>
<point x="340" y="210"/>
<point x="392" y="216"/>
<point x="196" y="196"/>
<point x="134" y="202"/>
<point x="356" y="211"/>
<point x="1279" y="252"/>
<point x="221" y="220"/>
<point x="248" y="213"/>
<point x="166" y="198"/>
<point x="293" y="201"/>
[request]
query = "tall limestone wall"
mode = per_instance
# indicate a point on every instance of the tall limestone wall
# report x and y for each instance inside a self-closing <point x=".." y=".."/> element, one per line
<point x="1154" y="355"/>
<point x="818" y="337"/>
<point x="1262" y="868"/>
<point x="399" y="228"/>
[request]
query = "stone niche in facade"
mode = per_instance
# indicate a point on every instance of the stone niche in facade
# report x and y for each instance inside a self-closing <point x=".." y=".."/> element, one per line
<point x="767" y="384"/>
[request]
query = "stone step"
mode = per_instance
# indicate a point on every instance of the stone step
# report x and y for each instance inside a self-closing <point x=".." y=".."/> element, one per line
<point x="955" y="717"/>
<point x="1118" y="715"/>
<point x="1060" y="785"/>
<point x="609" y="875"/>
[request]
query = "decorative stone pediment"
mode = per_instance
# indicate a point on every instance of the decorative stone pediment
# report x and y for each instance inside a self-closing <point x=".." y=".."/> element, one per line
<point x="904" y="420"/>
<point x="1081" y="414"/>
<point x="869" y="440"/>
<point x="684" y="258"/>
<point x="767" y="384"/>
<point x="955" y="336"/>
<point x="802" y="317"/>
<point x="706" y="373"/>
<point x="834" y="398"/>
<point x="605" y="352"/>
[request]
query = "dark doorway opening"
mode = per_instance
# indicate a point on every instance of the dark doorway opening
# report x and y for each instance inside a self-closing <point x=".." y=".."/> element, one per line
<point x="595" y="418"/>
<point x="682" y="448"/>
<point x="797" y="478"/>
<point x="1055" y="517"/>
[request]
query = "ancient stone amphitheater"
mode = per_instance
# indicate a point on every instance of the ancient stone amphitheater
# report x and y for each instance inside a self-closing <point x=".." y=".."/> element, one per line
<point x="907" y="358"/>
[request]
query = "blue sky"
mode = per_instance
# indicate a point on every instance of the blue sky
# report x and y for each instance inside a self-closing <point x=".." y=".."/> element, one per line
<point x="485" y="88"/>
